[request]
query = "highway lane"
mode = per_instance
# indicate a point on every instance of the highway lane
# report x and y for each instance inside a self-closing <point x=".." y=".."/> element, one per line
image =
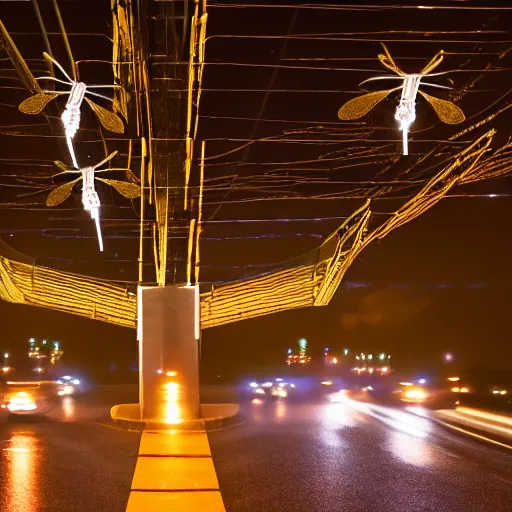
<point x="73" y="460"/>
<point x="345" y="455"/>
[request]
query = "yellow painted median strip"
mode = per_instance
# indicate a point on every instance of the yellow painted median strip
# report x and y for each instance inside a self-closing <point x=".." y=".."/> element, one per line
<point x="175" y="472"/>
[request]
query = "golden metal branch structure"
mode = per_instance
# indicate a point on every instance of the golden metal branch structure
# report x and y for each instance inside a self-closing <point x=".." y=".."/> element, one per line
<point x="310" y="284"/>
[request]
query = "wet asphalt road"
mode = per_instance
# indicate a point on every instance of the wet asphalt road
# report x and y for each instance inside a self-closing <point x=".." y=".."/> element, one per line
<point x="70" y="461"/>
<point x="349" y="456"/>
<point x="332" y="455"/>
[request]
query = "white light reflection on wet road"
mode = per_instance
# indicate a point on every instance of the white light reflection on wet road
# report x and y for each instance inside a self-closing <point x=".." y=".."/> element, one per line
<point x="400" y="420"/>
<point x="21" y="456"/>
<point x="68" y="409"/>
<point x="410" y="428"/>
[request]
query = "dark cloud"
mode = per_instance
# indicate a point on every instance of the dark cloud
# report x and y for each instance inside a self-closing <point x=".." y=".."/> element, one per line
<point x="384" y="308"/>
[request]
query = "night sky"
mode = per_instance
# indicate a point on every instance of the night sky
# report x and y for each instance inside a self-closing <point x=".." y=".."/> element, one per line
<point x="441" y="283"/>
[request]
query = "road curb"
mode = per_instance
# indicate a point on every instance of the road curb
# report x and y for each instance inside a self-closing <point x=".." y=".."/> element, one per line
<point x="214" y="416"/>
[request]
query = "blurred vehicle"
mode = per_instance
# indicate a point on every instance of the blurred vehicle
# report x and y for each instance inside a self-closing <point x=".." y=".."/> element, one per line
<point x="277" y="388"/>
<point x="68" y="385"/>
<point x="28" y="398"/>
<point x="426" y="395"/>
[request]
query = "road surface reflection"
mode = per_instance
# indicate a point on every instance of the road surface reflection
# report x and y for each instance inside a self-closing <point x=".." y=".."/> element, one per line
<point x="21" y="456"/>
<point x="407" y="437"/>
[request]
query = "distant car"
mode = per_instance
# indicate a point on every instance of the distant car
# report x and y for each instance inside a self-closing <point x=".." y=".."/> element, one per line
<point x="68" y="385"/>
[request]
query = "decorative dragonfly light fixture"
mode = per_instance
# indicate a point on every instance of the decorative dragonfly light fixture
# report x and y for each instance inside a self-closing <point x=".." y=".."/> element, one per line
<point x="405" y="113"/>
<point x="71" y="115"/>
<point x="90" y="198"/>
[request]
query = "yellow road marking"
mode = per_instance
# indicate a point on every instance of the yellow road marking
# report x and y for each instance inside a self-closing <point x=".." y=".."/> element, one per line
<point x="207" y="501"/>
<point x="175" y="471"/>
<point x="174" y="443"/>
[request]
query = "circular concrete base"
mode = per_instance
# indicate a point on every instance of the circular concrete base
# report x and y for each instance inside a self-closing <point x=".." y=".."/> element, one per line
<point x="213" y="416"/>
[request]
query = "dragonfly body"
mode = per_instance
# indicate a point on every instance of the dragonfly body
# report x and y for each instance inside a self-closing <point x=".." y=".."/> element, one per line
<point x="71" y="115"/>
<point x="91" y="200"/>
<point x="405" y="113"/>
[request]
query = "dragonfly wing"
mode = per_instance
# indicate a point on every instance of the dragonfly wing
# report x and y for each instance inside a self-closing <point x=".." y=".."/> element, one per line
<point x="61" y="193"/>
<point x="434" y="62"/>
<point x="129" y="190"/>
<point x="120" y="102"/>
<point x="447" y="111"/>
<point x="106" y="159"/>
<point x="388" y="61"/>
<point x="35" y="104"/>
<point x="360" y="106"/>
<point x="62" y="166"/>
<point x="18" y="61"/>
<point x="110" y="121"/>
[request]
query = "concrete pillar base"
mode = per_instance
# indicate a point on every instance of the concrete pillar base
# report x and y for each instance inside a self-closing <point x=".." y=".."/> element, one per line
<point x="213" y="416"/>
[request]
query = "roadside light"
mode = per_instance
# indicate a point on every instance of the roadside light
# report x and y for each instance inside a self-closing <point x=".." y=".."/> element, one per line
<point x="422" y="381"/>
<point x="384" y="369"/>
<point x="464" y="390"/>
<point x="253" y="385"/>
<point x="455" y="390"/>
<point x="159" y="372"/>
<point x="503" y="392"/>
<point x="326" y="383"/>
<point x="405" y="383"/>
<point x="171" y="374"/>
<point x="334" y="360"/>
<point x="495" y="392"/>
<point x="454" y="379"/>
<point x="382" y="356"/>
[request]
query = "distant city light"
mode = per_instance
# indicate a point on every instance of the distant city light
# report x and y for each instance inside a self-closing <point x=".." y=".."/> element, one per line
<point x="382" y="356"/>
<point x="289" y="351"/>
<point x="334" y="360"/>
<point x="370" y="357"/>
<point x="345" y="351"/>
<point x="454" y="379"/>
<point x="384" y="369"/>
<point x="6" y="355"/>
<point x="448" y="357"/>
